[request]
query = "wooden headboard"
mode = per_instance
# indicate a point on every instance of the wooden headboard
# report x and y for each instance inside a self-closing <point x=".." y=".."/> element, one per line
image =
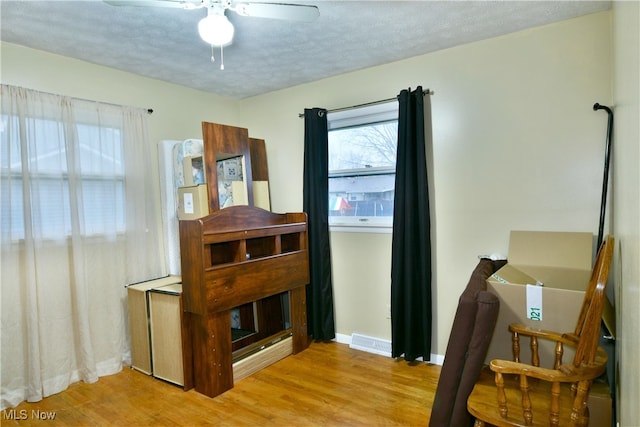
<point x="232" y="257"/>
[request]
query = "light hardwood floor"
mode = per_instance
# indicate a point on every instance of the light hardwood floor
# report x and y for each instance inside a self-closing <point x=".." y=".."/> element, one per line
<point x="328" y="384"/>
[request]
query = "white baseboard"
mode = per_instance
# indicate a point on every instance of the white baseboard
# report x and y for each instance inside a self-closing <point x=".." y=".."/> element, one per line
<point x="377" y="346"/>
<point x="437" y="359"/>
<point x="343" y="339"/>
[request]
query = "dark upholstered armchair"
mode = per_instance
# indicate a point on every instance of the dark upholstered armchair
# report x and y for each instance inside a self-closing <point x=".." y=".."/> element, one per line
<point x="469" y="340"/>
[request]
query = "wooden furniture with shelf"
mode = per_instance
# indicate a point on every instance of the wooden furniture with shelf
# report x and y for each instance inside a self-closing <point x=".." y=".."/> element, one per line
<point x="232" y="257"/>
<point x="259" y="320"/>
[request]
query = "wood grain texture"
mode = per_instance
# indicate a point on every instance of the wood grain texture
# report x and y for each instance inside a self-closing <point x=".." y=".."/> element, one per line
<point x="220" y="142"/>
<point x="166" y="341"/>
<point x="328" y="384"/>
<point x="236" y="256"/>
<point x="212" y="354"/>
<point x="192" y="252"/>
<point x="236" y="284"/>
<point x="260" y="360"/>
<point x="140" y="345"/>
<point x="259" y="165"/>
<point x="483" y="401"/>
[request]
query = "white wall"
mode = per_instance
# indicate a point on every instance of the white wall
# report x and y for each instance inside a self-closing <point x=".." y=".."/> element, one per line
<point x="626" y="203"/>
<point x="516" y="146"/>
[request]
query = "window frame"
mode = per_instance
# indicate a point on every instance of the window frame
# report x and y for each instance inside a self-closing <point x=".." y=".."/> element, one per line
<point x="368" y="114"/>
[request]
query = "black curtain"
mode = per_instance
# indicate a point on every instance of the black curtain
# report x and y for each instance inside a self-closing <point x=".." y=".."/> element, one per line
<point x="411" y="242"/>
<point x="320" y="317"/>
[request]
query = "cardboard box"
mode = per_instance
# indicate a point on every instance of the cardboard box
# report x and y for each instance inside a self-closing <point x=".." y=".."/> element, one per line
<point x="261" y="195"/>
<point x="193" y="170"/>
<point x="542" y="286"/>
<point x="193" y="202"/>
<point x="600" y="404"/>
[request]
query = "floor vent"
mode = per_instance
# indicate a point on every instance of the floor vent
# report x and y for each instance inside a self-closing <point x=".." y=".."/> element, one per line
<point x="371" y="345"/>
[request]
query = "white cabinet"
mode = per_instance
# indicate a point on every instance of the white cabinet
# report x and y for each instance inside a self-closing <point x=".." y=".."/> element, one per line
<point x="155" y="325"/>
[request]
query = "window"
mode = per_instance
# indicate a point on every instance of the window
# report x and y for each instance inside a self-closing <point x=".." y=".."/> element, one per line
<point x="362" y="161"/>
<point x="100" y="184"/>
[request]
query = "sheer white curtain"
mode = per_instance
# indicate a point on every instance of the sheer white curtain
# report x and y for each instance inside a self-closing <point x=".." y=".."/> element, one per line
<point x="79" y="221"/>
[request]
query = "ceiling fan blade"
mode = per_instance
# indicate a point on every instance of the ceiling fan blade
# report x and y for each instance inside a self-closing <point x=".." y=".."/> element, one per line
<point x="294" y="12"/>
<point x="179" y="4"/>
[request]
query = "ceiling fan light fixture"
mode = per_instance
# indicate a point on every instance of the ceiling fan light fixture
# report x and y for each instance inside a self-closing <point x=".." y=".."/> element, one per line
<point x="216" y="29"/>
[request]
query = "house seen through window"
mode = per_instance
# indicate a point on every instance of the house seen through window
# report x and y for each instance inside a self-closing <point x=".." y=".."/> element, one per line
<point x="362" y="160"/>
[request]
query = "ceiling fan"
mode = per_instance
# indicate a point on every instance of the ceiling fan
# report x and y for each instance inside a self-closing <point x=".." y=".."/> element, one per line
<point x="215" y="28"/>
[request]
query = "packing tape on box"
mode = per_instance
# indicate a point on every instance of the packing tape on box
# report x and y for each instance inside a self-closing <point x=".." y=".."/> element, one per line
<point x="534" y="302"/>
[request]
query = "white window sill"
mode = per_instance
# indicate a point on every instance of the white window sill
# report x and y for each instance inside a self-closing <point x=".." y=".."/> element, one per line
<point x="337" y="228"/>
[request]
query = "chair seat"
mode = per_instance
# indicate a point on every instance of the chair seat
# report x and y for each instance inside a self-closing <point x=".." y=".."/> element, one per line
<point x="482" y="402"/>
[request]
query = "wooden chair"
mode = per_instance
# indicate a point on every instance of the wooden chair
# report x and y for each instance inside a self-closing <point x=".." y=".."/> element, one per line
<point x="512" y="393"/>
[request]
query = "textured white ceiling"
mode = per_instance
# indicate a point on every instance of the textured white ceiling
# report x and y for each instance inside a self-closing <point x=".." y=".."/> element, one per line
<point x="268" y="55"/>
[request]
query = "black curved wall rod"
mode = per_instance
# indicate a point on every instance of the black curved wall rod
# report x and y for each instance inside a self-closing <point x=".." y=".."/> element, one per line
<point x="605" y="181"/>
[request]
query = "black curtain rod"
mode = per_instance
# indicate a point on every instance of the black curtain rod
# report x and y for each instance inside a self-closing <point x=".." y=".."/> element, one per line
<point x="368" y="104"/>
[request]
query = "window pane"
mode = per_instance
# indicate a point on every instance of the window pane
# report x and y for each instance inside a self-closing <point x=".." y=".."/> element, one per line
<point x="365" y="146"/>
<point x="11" y="209"/>
<point x="49" y="155"/>
<point x="362" y="163"/>
<point x="50" y="208"/>
<point x="362" y="195"/>
<point x="100" y="150"/>
<point x="103" y="206"/>
<point x="101" y="179"/>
